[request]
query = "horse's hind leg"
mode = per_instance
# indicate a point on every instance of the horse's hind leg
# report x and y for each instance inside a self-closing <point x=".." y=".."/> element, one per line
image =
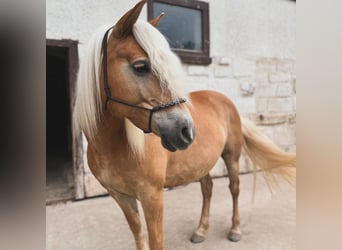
<point x="130" y="208"/>
<point x="200" y="234"/>
<point x="232" y="164"/>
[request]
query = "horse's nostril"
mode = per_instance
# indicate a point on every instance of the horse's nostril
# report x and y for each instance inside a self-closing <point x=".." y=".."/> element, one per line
<point x="187" y="134"/>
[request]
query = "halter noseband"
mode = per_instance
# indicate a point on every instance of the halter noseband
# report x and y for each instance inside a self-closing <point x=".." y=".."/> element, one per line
<point x="114" y="99"/>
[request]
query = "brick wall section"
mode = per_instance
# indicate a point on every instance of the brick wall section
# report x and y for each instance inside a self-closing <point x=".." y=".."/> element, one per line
<point x="276" y="100"/>
<point x="275" y="81"/>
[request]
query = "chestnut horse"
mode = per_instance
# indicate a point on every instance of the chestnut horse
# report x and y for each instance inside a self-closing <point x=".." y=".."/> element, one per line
<point x="130" y="82"/>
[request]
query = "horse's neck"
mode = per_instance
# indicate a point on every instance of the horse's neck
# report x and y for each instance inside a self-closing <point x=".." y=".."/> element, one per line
<point x="111" y="136"/>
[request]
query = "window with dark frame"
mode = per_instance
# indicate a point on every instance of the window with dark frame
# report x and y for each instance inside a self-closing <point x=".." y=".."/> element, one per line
<point x="186" y="27"/>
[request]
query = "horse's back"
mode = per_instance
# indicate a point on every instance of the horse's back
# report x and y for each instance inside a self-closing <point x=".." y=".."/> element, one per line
<point x="212" y="99"/>
<point x="216" y="122"/>
<point x="216" y="109"/>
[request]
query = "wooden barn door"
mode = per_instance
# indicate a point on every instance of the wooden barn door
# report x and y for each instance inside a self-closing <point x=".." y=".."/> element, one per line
<point x="64" y="164"/>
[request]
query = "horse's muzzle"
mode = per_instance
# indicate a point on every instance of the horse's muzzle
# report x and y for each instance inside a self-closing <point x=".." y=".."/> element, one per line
<point x="177" y="134"/>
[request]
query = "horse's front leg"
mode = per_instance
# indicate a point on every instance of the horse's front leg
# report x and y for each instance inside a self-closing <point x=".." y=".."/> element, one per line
<point x="129" y="206"/>
<point x="152" y="204"/>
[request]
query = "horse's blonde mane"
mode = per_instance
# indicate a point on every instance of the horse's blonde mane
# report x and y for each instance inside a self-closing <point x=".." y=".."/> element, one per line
<point x="164" y="63"/>
<point x="87" y="109"/>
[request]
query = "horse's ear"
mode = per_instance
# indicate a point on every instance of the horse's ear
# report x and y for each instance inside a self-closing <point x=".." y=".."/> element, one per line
<point x="124" y="26"/>
<point x="157" y="19"/>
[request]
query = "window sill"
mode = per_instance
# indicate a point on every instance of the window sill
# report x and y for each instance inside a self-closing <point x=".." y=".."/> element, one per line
<point x="193" y="58"/>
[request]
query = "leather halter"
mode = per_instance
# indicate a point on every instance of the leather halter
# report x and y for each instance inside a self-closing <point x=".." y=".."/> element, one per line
<point x="109" y="97"/>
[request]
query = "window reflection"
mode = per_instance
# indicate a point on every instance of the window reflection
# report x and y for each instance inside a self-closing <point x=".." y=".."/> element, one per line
<point x="181" y="26"/>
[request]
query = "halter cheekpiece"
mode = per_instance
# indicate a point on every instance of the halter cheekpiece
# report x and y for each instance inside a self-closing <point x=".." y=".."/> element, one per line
<point x="114" y="99"/>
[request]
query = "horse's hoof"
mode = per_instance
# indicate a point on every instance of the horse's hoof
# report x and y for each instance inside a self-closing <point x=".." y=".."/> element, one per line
<point x="234" y="236"/>
<point x="195" y="238"/>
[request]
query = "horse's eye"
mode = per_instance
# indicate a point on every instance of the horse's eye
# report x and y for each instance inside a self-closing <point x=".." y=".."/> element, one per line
<point x="141" y="67"/>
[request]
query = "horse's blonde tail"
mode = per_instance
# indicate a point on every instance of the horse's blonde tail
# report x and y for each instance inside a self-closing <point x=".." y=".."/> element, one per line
<point x="267" y="156"/>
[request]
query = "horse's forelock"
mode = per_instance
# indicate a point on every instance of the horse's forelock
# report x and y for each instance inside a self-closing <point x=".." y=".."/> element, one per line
<point x="165" y="64"/>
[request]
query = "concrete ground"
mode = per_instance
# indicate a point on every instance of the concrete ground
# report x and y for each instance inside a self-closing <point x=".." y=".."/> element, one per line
<point x="98" y="223"/>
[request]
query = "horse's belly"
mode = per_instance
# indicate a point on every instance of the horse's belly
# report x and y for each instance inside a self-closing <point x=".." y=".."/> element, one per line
<point x="186" y="172"/>
<point x="194" y="163"/>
